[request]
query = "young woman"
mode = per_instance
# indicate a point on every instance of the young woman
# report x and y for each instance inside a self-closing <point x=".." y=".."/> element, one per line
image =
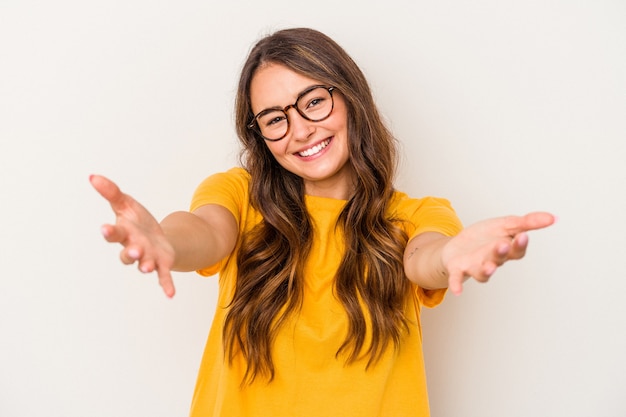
<point x="323" y="266"/>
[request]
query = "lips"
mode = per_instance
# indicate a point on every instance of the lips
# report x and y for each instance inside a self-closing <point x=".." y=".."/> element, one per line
<point x="314" y="149"/>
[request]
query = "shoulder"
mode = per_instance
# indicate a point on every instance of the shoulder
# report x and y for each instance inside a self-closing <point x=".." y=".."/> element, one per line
<point x="402" y="203"/>
<point x="236" y="175"/>
<point x="425" y="214"/>
<point x="230" y="185"/>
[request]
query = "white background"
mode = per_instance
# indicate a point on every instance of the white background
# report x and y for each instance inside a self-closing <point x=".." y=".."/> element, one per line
<point x="502" y="107"/>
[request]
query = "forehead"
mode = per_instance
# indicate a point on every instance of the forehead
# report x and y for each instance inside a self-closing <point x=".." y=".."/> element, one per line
<point x="274" y="85"/>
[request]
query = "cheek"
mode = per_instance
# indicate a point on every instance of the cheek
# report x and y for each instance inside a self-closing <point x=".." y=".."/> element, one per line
<point x="342" y="116"/>
<point x="275" y="148"/>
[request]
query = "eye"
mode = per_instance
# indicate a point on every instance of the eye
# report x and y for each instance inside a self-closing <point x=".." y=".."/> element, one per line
<point x="271" y="119"/>
<point x="274" y="120"/>
<point x="315" y="102"/>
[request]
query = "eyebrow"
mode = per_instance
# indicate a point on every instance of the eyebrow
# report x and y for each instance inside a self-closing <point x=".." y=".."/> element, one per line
<point x="282" y="107"/>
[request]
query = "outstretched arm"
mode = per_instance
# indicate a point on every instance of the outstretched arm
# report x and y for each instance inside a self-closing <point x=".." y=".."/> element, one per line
<point x="183" y="241"/>
<point x="433" y="260"/>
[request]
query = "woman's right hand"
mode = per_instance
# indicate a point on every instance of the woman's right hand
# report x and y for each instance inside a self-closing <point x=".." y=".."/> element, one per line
<point x="138" y="232"/>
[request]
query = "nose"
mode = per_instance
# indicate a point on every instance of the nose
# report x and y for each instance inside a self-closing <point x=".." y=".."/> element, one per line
<point x="299" y="127"/>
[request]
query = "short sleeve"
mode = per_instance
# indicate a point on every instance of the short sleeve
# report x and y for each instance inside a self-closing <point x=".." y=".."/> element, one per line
<point x="429" y="298"/>
<point x="433" y="214"/>
<point x="228" y="189"/>
<point x="429" y="214"/>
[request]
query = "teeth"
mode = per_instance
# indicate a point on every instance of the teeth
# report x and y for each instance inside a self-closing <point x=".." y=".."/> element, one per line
<point x="315" y="149"/>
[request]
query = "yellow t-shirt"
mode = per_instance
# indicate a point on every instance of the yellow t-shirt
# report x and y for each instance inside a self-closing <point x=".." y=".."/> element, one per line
<point x="310" y="381"/>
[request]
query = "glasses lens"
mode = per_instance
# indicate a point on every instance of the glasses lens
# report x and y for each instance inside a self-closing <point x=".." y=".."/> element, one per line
<point x="316" y="104"/>
<point x="273" y="124"/>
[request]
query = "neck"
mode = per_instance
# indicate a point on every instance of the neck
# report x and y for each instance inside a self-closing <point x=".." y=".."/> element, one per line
<point x="338" y="188"/>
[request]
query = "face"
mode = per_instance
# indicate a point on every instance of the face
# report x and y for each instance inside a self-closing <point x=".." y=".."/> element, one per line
<point x="315" y="151"/>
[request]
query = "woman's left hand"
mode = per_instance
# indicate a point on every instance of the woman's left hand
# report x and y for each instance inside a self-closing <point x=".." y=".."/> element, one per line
<point x="481" y="248"/>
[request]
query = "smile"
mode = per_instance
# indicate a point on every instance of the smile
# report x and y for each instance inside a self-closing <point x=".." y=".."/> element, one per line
<point x="315" y="149"/>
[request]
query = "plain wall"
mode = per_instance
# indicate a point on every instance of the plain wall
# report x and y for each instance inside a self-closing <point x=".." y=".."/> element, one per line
<point x="501" y="106"/>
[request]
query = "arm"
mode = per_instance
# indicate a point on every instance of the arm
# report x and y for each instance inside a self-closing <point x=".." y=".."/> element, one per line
<point x="183" y="241"/>
<point x="422" y="260"/>
<point x="201" y="238"/>
<point x="432" y="260"/>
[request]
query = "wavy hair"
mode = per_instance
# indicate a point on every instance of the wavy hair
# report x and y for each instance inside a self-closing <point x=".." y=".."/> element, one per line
<point x="271" y="257"/>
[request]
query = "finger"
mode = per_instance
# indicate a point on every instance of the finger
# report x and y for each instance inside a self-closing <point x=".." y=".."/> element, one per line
<point x="146" y="266"/>
<point x="166" y="282"/>
<point x="519" y="246"/>
<point x="130" y="255"/>
<point x="108" y="189"/>
<point x="538" y="220"/>
<point x="455" y="282"/>
<point x="113" y="234"/>
<point x="502" y="252"/>
<point x="489" y="269"/>
<point x="531" y="221"/>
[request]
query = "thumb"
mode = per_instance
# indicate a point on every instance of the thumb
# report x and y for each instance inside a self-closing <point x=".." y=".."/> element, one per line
<point x="530" y="221"/>
<point x="107" y="189"/>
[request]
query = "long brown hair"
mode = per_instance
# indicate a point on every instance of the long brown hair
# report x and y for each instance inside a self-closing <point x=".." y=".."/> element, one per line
<point x="272" y="256"/>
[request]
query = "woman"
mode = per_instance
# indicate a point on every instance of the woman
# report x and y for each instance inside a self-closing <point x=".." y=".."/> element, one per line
<point x="324" y="267"/>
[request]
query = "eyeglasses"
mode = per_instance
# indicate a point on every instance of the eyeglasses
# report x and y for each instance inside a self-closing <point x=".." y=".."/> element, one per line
<point x="314" y="104"/>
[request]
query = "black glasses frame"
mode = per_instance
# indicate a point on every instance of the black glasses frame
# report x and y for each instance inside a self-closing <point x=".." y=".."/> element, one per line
<point x="253" y="124"/>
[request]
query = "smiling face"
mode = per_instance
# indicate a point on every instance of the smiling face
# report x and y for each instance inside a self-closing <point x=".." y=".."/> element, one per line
<point x="315" y="151"/>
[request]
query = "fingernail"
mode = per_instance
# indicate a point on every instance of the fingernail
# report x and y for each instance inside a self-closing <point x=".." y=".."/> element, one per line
<point x="104" y="231"/>
<point x="133" y="253"/>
